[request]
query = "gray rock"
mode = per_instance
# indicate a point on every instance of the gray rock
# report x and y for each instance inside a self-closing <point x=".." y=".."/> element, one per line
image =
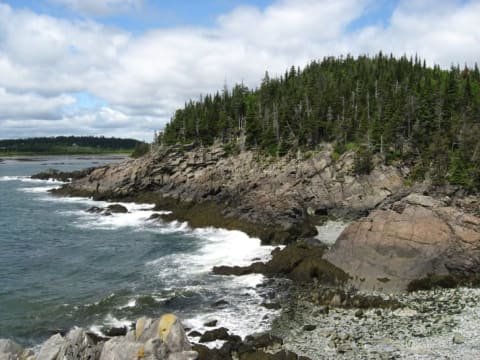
<point x="175" y="338"/>
<point x="9" y="350"/>
<point x="185" y="355"/>
<point x="78" y="345"/>
<point x="118" y="349"/>
<point x="51" y="348"/>
<point x="458" y="339"/>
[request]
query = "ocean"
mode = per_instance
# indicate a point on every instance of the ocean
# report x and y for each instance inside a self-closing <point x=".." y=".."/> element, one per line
<point x="61" y="266"/>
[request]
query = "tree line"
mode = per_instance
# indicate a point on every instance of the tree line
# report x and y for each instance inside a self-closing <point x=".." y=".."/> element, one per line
<point x="399" y="108"/>
<point x="47" y="144"/>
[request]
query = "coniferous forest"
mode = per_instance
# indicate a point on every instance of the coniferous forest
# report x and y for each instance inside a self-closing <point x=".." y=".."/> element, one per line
<point x="398" y="108"/>
<point x="68" y="144"/>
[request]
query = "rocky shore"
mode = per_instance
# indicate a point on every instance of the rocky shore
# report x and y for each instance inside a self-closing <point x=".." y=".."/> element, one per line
<point x="277" y="200"/>
<point x="150" y="339"/>
<point x="417" y="236"/>
<point x="433" y="324"/>
<point x="366" y="296"/>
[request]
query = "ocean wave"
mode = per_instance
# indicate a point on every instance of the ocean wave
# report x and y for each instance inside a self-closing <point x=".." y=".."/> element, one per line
<point x="184" y="281"/>
<point x="37" y="189"/>
<point x="28" y="179"/>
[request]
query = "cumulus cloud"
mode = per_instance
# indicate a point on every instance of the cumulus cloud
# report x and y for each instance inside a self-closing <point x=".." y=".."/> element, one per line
<point x="30" y="105"/>
<point x="143" y="78"/>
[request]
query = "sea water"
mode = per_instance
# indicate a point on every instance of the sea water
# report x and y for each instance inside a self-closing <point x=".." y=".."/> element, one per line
<point x="61" y="266"/>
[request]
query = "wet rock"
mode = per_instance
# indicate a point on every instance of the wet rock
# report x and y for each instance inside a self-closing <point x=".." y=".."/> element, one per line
<point x="262" y="341"/>
<point x="271" y="305"/>
<point x="299" y="262"/>
<point x="205" y="353"/>
<point x="62" y="175"/>
<point x="215" y="334"/>
<point x="257" y="267"/>
<point x="116" y="331"/>
<point x="220" y="303"/>
<point x="117" y="208"/>
<point x="194" y="333"/>
<point x="359" y="313"/>
<point x="211" y="323"/>
<point x="309" y="327"/>
<point x="94" y="210"/>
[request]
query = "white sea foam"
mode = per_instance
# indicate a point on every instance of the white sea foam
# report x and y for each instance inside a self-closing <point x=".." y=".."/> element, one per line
<point x="130" y="304"/>
<point x="109" y="321"/>
<point x="27" y="179"/>
<point x="218" y="247"/>
<point x="192" y="272"/>
<point x="189" y="271"/>
<point x="136" y="217"/>
<point x="36" y="189"/>
<point x="329" y="232"/>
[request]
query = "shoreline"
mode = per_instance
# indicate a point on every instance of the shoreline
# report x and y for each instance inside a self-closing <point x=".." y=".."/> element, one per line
<point x="262" y="288"/>
<point x="46" y="157"/>
<point x="138" y="191"/>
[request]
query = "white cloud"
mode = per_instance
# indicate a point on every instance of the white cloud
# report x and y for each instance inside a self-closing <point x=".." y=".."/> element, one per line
<point x="144" y="78"/>
<point x="443" y="32"/>
<point x="101" y="7"/>
<point x="32" y="106"/>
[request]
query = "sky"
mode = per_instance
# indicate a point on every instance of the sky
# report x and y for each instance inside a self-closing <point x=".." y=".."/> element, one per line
<point x="121" y="67"/>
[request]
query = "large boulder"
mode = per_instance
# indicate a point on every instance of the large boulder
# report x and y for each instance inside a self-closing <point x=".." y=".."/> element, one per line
<point x="51" y="348"/>
<point x="10" y="350"/>
<point x="78" y="344"/>
<point x="417" y="237"/>
<point x="162" y="339"/>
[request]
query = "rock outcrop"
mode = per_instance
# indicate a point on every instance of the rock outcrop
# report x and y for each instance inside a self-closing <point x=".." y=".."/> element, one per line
<point x="300" y="262"/>
<point x="10" y="350"/>
<point x="161" y="339"/>
<point x="412" y="242"/>
<point x="274" y="200"/>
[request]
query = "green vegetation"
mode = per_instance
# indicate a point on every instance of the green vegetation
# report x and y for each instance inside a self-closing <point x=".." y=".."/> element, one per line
<point x="399" y="109"/>
<point x="67" y="145"/>
<point x="140" y="150"/>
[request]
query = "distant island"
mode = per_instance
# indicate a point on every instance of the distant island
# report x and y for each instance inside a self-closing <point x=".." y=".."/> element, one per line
<point x="71" y="145"/>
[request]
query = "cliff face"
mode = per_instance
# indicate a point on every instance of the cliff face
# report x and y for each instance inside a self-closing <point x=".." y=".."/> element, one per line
<point x="418" y="237"/>
<point x="279" y="199"/>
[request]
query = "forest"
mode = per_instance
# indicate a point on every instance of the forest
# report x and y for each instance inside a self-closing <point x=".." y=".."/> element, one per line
<point x="397" y="108"/>
<point x="67" y="145"/>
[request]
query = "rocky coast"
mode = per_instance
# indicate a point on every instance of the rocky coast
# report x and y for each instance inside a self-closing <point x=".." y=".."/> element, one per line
<point x="374" y="293"/>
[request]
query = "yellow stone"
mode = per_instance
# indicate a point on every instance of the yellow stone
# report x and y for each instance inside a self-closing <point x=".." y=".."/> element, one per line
<point x="139" y="327"/>
<point x="141" y="353"/>
<point x="165" y="324"/>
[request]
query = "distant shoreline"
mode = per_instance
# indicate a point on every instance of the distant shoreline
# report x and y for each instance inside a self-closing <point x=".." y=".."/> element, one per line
<point x="80" y="156"/>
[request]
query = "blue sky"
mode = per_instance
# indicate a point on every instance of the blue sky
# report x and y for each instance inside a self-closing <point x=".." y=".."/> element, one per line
<point x="122" y="67"/>
<point x="151" y="14"/>
<point x="162" y="13"/>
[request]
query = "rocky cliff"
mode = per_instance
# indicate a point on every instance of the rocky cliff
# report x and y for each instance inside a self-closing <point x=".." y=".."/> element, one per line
<point x="277" y="200"/>
<point x="399" y="235"/>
